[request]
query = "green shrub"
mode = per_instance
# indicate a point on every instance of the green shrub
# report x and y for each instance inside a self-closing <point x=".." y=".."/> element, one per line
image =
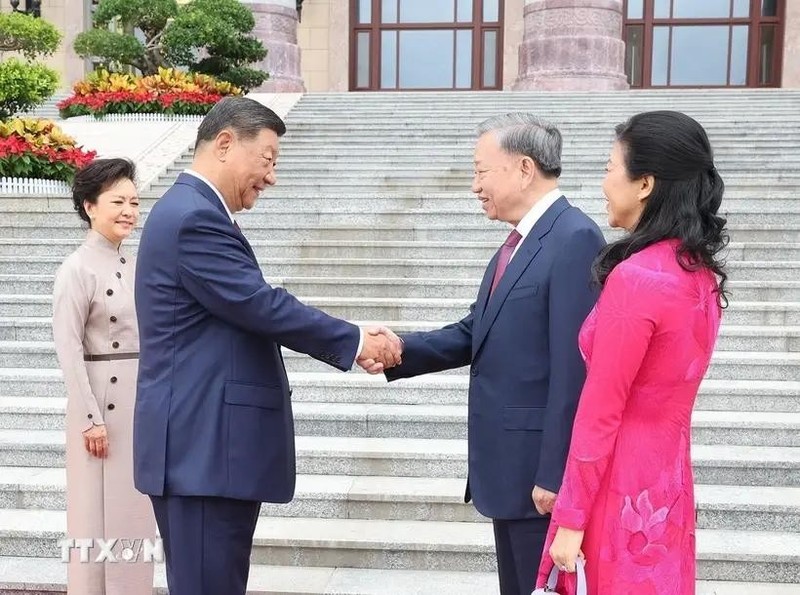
<point x="24" y="86"/>
<point x="114" y="49"/>
<point x="218" y="30"/>
<point x="29" y="35"/>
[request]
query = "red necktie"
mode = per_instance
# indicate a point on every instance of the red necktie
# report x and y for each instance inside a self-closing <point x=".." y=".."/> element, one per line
<point x="506" y="251"/>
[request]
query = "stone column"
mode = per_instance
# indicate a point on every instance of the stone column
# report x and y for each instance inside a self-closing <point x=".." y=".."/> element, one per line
<point x="276" y="27"/>
<point x="791" y="47"/>
<point x="572" y="45"/>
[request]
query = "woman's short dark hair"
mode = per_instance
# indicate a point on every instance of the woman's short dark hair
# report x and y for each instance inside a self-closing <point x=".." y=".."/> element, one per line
<point x="686" y="195"/>
<point x="97" y="177"/>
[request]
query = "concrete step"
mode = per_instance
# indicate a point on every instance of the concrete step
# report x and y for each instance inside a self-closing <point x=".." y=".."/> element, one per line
<point x="15" y="307"/>
<point x="356" y="200"/>
<point x="316" y="496"/>
<point x="398" y="287"/>
<point x="573" y="136"/>
<point x="443" y="389"/>
<point x="401" y="266"/>
<point x="725" y="365"/>
<point x="429" y="545"/>
<point x="757" y="508"/>
<point x="732" y="158"/>
<point x="34" y="575"/>
<point x="740" y="365"/>
<point x="750" y="428"/>
<point x="587" y="169"/>
<point x="738" y="251"/>
<point x="776" y="339"/>
<point x="744" y="508"/>
<point x="465" y="141"/>
<point x="335" y="183"/>
<point x="405" y="232"/>
<point x="413" y="457"/>
<point x="410" y="111"/>
<point x="37" y="576"/>
<point x="354" y="543"/>
<point x="470" y="213"/>
<point x="367" y="116"/>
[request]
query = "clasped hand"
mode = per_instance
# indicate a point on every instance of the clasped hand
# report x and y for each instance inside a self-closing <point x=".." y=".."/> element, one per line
<point x="382" y="350"/>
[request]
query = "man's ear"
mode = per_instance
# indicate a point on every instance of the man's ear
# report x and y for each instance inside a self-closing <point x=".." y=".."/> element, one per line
<point x="222" y="144"/>
<point x="528" y="169"/>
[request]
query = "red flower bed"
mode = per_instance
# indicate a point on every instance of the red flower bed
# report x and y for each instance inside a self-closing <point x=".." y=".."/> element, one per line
<point x="39" y="149"/>
<point x="138" y="102"/>
<point x="168" y="92"/>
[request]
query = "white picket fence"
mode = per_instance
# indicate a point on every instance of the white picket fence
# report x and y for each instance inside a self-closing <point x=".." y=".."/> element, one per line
<point x="25" y="186"/>
<point x="137" y="118"/>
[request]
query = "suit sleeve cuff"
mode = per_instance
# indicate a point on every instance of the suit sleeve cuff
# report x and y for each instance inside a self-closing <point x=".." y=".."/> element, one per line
<point x="360" y="345"/>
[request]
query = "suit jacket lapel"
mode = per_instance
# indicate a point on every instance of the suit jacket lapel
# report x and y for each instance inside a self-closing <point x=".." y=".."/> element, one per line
<point x="530" y="247"/>
<point x="209" y="194"/>
<point x="483" y="291"/>
<point x="246" y="243"/>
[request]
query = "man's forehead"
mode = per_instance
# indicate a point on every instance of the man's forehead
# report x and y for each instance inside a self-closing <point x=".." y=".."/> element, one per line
<point x="483" y="149"/>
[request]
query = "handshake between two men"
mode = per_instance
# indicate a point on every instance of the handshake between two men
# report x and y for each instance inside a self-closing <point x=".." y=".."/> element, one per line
<point x="382" y="350"/>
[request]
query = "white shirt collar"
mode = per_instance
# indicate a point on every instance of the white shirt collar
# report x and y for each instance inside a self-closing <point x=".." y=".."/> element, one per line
<point x="202" y="178"/>
<point x="530" y="219"/>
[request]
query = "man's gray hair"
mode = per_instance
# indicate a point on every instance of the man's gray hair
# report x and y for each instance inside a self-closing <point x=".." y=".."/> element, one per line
<point x="245" y="116"/>
<point x="521" y="133"/>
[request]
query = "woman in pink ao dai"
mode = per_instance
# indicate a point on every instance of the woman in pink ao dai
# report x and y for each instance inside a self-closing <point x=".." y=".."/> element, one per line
<point x="626" y="503"/>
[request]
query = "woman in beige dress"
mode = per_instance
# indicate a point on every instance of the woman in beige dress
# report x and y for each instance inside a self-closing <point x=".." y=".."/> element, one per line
<point x="97" y="343"/>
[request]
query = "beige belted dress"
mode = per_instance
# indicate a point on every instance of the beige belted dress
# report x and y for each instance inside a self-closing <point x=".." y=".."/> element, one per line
<point x="94" y="316"/>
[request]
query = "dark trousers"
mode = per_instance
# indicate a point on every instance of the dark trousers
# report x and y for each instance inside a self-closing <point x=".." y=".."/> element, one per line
<point x="519" y="545"/>
<point x="207" y="543"/>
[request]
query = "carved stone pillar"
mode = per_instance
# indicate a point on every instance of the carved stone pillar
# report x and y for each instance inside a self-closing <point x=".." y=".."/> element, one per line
<point x="276" y="27"/>
<point x="572" y="45"/>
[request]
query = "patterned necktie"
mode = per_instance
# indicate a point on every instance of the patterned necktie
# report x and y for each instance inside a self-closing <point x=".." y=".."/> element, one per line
<point x="506" y="251"/>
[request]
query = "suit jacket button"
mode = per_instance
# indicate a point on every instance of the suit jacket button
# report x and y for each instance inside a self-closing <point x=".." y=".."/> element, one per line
<point x="89" y="416"/>
<point x="113" y="380"/>
<point x="110" y="292"/>
<point x="115" y="345"/>
<point x="113" y="319"/>
<point x="119" y="275"/>
<point x="473" y="372"/>
<point x="111" y="406"/>
<point x="122" y="260"/>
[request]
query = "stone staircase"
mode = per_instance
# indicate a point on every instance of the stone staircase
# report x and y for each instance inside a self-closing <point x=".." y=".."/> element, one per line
<point x="373" y="221"/>
<point x="48" y="109"/>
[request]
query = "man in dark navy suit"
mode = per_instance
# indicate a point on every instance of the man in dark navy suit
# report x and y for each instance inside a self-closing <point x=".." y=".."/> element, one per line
<point x="213" y="427"/>
<point x="520" y="340"/>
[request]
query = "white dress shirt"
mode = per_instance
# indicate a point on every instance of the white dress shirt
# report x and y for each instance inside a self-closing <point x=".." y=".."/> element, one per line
<point x="202" y="178"/>
<point x="530" y="219"/>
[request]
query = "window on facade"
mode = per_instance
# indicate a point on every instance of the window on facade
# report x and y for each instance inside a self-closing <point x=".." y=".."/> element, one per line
<point x="766" y="51"/>
<point x="708" y="43"/>
<point x="426" y="45"/>
<point x="634" y="52"/>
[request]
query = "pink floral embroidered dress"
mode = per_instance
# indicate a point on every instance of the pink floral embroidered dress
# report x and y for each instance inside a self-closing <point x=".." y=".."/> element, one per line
<point x="628" y="481"/>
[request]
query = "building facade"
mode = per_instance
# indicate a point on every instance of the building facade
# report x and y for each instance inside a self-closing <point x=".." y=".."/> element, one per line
<point x="391" y="45"/>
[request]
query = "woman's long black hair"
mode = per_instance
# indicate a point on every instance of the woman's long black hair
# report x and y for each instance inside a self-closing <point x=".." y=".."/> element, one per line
<point x="686" y="195"/>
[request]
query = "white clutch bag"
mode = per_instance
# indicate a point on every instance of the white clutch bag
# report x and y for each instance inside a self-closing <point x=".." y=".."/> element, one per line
<point x="552" y="580"/>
